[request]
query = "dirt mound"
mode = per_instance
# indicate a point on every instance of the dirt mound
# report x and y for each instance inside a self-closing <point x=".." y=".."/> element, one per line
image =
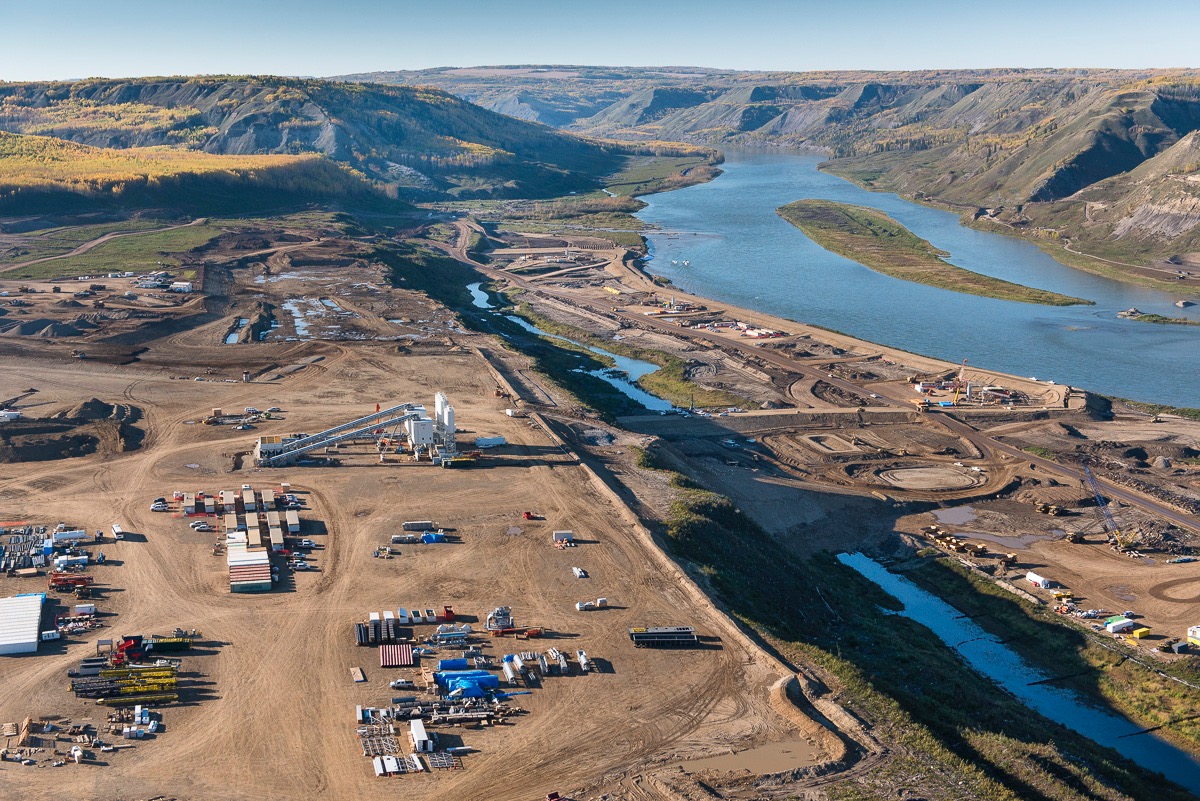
<point x="40" y="327"/>
<point x="67" y="303"/>
<point x="82" y="323"/>
<point x="94" y="409"/>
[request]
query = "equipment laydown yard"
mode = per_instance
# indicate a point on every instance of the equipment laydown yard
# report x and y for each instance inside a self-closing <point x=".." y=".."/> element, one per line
<point x="287" y="652"/>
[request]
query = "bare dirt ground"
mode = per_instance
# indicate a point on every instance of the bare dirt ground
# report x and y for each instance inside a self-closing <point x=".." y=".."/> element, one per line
<point x="269" y="714"/>
<point x="268" y="699"/>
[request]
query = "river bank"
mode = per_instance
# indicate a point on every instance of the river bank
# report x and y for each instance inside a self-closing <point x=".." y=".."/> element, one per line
<point x="740" y="252"/>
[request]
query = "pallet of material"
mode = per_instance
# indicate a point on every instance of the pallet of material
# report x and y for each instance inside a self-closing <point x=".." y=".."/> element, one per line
<point x="358" y="675"/>
<point x="392" y="655"/>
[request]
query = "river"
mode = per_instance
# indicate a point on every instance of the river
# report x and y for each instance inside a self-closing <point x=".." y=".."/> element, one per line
<point x="994" y="660"/>
<point x="742" y="252"/>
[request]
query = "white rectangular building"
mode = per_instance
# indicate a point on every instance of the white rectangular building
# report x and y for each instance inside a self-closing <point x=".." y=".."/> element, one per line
<point x="20" y="619"/>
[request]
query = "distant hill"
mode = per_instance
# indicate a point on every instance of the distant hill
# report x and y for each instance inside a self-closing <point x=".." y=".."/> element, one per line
<point x="1031" y="147"/>
<point x="43" y="174"/>
<point x="420" y="142"/>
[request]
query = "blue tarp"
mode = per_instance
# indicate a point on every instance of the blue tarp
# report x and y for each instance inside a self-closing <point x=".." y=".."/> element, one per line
<point x="453" y="664"/>
<point x="471" y="688"/>
<point x="480" y="677"/>
<point x="432" y="536"/>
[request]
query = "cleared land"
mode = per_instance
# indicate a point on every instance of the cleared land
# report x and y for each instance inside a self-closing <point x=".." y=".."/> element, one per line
<point x="328" y="333"/>
<point x="875" y="240"/>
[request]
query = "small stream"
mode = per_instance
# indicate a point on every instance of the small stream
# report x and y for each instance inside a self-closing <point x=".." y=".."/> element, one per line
<point x="622" y="377"/>
<point x="981" y="651"/>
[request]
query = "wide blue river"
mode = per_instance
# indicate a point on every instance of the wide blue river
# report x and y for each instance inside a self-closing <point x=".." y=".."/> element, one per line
<point x="741" y="252"/>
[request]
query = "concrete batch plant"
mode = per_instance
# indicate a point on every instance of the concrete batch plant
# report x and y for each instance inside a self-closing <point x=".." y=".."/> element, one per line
<point x="424" y="436"/>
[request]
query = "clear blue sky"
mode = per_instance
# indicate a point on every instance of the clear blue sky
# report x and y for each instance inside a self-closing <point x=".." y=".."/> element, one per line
<point x="119" y="38"/>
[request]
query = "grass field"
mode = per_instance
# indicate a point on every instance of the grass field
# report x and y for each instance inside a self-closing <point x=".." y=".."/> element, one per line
<point x="875" y="240"/>
<point x="139" y="253"/>
<point x="56" y="241"/>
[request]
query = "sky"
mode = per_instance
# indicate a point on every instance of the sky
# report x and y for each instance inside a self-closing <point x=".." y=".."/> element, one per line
<point x="122" y="38"/>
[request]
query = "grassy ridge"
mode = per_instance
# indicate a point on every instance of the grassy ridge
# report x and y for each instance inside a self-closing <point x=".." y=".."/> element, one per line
<point x="875" y="240"/>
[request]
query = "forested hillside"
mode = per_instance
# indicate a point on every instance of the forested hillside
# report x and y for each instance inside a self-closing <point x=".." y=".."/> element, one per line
<point x="420" y="142"/>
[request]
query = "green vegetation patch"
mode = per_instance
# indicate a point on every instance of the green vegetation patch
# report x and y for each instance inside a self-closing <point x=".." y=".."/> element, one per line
<point x="645" y="175"/>
<point x="875" y="240"/>
<point x="1160" y="319"/>
<point x="59" y="240"/>
<point x="140" y="252"/>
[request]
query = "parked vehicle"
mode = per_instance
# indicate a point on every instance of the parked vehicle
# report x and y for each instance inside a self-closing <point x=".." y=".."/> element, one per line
<point x="159" y="507"/>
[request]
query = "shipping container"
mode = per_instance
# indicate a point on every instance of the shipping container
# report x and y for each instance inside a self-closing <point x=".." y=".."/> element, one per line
<point x="1038" y="581"/>
<point x="293" y="520"/>
<point x="210" y="505"/>
<point x="420" y="740"/>
<point x="231" y="522"/>
<point x="418" y="525"/>
<point x="248" y="501"/>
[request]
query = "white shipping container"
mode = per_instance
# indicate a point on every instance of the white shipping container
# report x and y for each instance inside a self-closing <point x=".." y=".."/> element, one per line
<point x="1037" y="581"/>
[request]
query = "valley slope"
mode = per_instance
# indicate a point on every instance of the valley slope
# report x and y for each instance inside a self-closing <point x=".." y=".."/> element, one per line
<point x="1098" y="162"/>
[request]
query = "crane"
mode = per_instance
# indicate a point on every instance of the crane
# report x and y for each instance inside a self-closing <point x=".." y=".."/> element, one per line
<point x="1110" y="524"/>
<point x="958" y="385"/>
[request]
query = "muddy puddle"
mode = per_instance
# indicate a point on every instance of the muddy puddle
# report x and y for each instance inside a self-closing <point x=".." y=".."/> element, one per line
<point x="769" y="758"/>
